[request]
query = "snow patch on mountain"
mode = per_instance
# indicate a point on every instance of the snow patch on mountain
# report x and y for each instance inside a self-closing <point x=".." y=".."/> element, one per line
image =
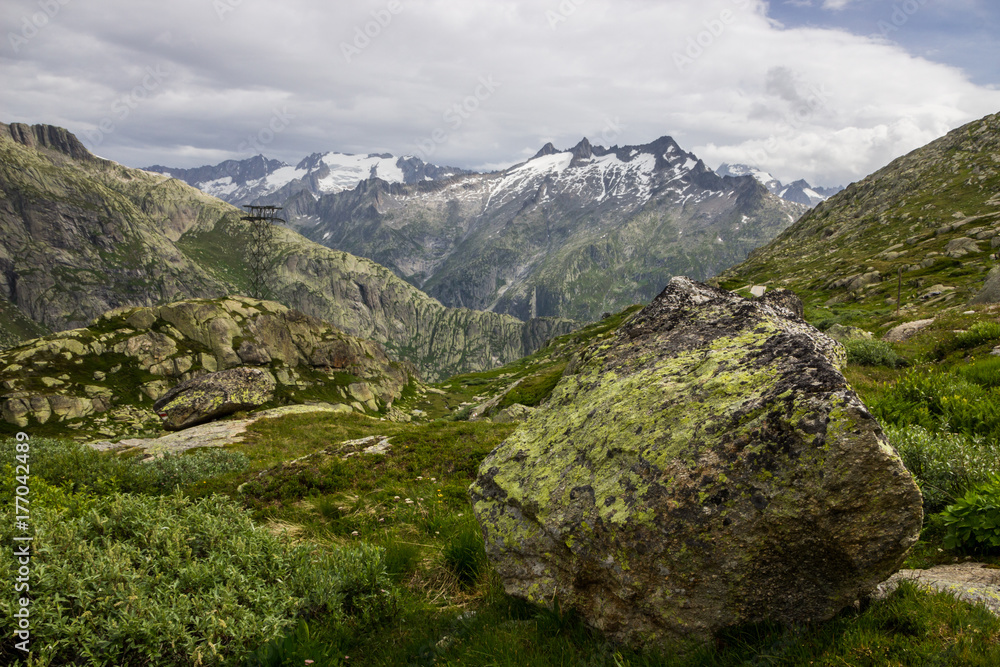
<point x="799" y="192"/>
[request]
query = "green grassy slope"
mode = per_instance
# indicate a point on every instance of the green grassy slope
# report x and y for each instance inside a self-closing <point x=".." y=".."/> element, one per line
<point x="927" y="225"/>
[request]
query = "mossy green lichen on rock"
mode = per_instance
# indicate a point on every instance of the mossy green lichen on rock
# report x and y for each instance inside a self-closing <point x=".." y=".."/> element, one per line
<point x="137" y="355"/>
<point x="709" y="467"/>
<point x="215" y="395"/>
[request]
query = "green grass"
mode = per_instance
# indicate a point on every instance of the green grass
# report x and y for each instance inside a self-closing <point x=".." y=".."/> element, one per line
<point x="412" y="586"/>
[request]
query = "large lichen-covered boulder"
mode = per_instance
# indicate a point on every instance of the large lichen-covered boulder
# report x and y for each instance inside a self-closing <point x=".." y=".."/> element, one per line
<point x="215" y="395"/>
<point x="708" y="466"/>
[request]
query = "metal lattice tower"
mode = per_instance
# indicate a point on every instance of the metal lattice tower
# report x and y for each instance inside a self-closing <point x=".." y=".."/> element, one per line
<point x="260" y="247"/>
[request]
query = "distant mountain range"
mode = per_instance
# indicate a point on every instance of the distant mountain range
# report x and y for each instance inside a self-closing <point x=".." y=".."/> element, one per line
<point x="569" y="233"/>
<point x="258" y="180"/>
<point x="799" y="192"/>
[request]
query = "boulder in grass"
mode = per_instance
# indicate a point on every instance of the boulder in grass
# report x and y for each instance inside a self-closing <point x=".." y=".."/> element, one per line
<point x="215" y="395"/>
<point x="708" y="466"/>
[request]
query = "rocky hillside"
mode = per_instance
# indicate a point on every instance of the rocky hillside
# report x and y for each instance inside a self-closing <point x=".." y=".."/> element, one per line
<point x="928" y="224"/>
<point x="572" y="233"/>
<point x="80" y="236"/>
<point x="105" y="378"/>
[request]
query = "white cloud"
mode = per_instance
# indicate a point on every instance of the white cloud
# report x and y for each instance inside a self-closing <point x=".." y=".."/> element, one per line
<point x="821" y="104"/>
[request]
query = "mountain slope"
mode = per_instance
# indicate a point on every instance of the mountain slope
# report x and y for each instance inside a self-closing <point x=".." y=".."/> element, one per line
<point x="570" y="233"/>
<point x="80" y="236"/>
<point x="262" y="181"/>
<point x="933" y="214"/>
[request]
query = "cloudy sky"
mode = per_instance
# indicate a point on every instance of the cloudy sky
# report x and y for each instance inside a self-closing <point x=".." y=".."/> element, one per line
<point x="828" y="90"/>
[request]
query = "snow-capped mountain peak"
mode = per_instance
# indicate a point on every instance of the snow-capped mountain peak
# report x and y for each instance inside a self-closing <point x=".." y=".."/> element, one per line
<point x="258" y="180"/>
<point x="799" y="192"/>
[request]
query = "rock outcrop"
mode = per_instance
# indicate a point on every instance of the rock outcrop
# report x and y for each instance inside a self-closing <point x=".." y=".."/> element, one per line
<point x="206" y="398"/>
<point x="990" y="293"/>
<point x="708" y="466"/>
<point x="134" y="356"/>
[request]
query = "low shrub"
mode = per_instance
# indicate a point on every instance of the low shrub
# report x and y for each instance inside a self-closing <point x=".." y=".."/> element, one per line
<point x="80" y="469"/>
<point x="946" y="465"/>
<point x="138" y="580"/>
<point x="978" y="334"/>
<point x="938" y="401"/>
<point x="301" y="646"/>
<point x="973" y="523"/>
<point x="985" y="372"/>
<point x="868" y="352"/>
<point x="165" y="473"/>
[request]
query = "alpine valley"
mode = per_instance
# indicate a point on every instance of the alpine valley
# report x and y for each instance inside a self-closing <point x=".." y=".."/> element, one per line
<point x="569" y="233"/>
<point x="80" y="236"/>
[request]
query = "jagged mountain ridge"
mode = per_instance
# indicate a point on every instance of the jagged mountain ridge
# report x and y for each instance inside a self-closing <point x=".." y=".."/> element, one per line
<point x="799" y="191"/>
<point x="927" y="226"/>
<point x="571" y="233"/>
<point x="80" y="236"/>
<point x="259" y="180"/>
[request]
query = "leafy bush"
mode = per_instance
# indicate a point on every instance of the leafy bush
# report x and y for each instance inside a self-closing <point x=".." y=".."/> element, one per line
<point x="973" y="522"/>
<point x="137" y="580"/>
<point x="985" y="373"/>
<point x="78" y="468"/>
<point x="296" y="648"/>
<point x="165" y="473"/>
<point x="946" y="465"/>
<point x="867" y="352"/>
<point x="978" y="334"/>
<point x="939" y="401"/>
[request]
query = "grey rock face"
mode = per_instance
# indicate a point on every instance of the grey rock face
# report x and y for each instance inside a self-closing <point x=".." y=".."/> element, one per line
<point x="991" y="290"/>
<point x="215" y="395"/>
<point x="708" y="466"/>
